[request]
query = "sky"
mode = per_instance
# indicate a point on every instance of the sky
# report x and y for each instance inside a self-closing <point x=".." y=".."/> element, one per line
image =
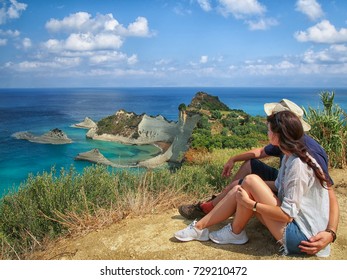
<point x="159" y="43"/>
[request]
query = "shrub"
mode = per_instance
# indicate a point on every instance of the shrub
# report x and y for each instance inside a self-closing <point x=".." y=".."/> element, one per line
<point x="49" y="204"/>
<point x="328" y="127"/>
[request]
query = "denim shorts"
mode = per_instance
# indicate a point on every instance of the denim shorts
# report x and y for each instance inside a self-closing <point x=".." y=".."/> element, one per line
<point x="292" y="239"/>
<point x="267" y="173"/>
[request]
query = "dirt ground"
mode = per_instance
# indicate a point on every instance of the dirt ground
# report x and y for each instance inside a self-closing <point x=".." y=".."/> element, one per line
<point x="151" y="238"/>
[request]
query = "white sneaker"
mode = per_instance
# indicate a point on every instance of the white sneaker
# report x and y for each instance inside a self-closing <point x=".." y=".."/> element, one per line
<point x="192" y="233"/>
<point x="226" y="236"/>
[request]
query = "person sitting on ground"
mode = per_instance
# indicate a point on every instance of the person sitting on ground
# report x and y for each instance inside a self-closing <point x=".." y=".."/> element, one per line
<point x="300" y="209"/>
<point x="253" y="165"/>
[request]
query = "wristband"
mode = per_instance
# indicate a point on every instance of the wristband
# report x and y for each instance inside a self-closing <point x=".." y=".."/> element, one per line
<point x="332" y="233"/>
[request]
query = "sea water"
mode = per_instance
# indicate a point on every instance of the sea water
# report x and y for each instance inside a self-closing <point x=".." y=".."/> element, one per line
<point x="40" y="110"/>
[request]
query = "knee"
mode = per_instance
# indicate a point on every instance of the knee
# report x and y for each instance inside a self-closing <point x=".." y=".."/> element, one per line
<point x="250" y="181"/>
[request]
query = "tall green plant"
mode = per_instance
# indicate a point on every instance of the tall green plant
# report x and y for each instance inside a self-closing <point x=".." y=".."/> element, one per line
<point x="328" y="126"/>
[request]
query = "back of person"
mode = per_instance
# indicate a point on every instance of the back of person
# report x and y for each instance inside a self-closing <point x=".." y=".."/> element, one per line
<point x="303" y="197"/>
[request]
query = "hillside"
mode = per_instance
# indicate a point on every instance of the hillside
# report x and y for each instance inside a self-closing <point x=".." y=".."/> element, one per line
<point x="221" y="127"/>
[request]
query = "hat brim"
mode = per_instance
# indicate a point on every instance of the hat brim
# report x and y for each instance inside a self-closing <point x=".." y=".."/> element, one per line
<point x="275" y="107"/>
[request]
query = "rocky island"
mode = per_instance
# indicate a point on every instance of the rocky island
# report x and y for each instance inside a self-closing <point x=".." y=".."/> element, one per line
<point x="87" y="123"/>
<point x="55" y="136"/>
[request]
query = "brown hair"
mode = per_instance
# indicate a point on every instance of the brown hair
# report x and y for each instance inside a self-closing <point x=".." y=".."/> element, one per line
<point x="290" y="131"/>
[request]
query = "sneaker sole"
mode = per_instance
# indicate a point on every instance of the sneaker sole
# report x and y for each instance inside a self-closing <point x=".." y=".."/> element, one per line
<point x="191" y="239"/>
<point x="241" y="242"/>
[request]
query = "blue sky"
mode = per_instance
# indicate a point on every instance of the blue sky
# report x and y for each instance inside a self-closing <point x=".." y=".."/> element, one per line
<point x="116" y="43"/>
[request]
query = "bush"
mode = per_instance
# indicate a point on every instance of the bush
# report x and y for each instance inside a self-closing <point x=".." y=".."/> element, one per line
<point x="48" y="205"/>
<point x="328" y="127"/>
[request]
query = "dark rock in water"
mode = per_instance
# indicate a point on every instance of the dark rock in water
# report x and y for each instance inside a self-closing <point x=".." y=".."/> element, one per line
<point x="55" y="136"/>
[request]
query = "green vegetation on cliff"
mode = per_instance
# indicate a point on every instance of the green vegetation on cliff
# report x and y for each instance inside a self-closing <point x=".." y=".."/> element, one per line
<point x="221" y="127"/>
<point x="121" y="123"/>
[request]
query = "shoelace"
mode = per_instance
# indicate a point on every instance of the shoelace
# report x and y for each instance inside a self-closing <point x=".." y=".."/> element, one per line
<point x="192" y="225"/>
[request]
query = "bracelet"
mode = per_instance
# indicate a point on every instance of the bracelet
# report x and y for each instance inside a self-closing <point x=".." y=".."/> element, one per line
<point x="255" y="207"/>
<point x="333" y="233"/>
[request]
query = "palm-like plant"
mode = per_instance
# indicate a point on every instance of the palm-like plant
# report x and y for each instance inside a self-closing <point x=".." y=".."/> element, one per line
<point x="328" y="127"/>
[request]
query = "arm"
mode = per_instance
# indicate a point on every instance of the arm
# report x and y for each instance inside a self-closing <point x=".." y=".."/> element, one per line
<point x="323" y="238"/>
<point x="254" y="153"/>
<point x="273" y="212"/>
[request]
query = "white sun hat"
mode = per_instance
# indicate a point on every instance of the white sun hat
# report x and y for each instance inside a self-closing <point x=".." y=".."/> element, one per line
<point x="286" y="105"/>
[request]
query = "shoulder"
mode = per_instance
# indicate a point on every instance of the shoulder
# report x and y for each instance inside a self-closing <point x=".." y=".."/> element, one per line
<point x="296" y="165"/>
<point x="313" y="145"/>
<point x="272" y="150"/>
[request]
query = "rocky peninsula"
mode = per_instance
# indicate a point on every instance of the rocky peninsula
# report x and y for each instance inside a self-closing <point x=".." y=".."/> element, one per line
<point x="55" y="137"/>
<point x="130" y="128"/>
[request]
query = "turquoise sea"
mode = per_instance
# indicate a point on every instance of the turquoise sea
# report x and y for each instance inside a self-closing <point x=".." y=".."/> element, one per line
<point x="40" y="110"/>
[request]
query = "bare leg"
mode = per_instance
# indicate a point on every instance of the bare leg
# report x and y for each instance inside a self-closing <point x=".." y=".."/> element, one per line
<point x="221" y="212"/>
<point x="259" y="191"/>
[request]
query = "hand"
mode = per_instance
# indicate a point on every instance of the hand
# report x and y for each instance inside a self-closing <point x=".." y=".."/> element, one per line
<point x="316" y="243"/>
<point x="227" y="168"/>
<point x="243" y="198"/>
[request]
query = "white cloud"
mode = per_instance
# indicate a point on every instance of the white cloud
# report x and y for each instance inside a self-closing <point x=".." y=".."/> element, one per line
<point x="311" y="8"/>
<point x="9" y="33"/>
<point x="251" y="11"/>
<point x="181" y="10"/>
<point x="15" y="9"/>
<point x="132" y="59"/>
<point x="86" y="33"/>
<point x="3" y="42"/>
<point x="83" y="22"/>
<point x="335" y="54"/>
<point x="260" y="67"/>
<point x="205" y="5"/>
<point x="262" y="24"/>
<point x="323" y="32"/>
<point x="85" y="42"/>
<point x="162" y="62"/>
<point x="26" y="42"/>
<point x="109" y="58"/>
<point x="241" y="8"/>
<point x="203" y="59"/>
<point x="284" y="65"/>
<point x="42" y="66"/>
<point x="75" y="22"/>
<point x="139" y="28"/>
<point x="11" y="10"/>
